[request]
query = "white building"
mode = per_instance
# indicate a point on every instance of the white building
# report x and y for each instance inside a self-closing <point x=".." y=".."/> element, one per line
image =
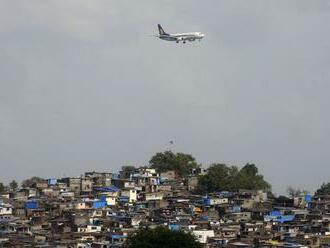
<point x="218" y="201"/>
<point x="89" y="229"/>
<point x="6" y="209"/>
<point x="203" y="235"/>
<point x="154" y="196"/>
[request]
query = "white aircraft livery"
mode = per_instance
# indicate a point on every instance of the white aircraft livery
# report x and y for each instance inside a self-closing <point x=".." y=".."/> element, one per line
<point x="179" y="37"/>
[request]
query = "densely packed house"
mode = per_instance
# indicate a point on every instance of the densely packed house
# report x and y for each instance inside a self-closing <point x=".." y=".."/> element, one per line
<point x="102" y="209"/>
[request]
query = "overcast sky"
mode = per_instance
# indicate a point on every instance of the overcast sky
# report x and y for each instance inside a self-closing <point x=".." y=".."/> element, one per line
<point x="84" y="86"/>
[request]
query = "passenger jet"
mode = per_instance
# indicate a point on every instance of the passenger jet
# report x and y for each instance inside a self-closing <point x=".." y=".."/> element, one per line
<point x="179" y="37"/>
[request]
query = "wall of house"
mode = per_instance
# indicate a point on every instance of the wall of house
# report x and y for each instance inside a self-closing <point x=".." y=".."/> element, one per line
<point x="6" y="210"/>
<point x="153" y="196"/>
<point x="81" y="205"/>
<point x="202" y="235"/>
<point x="131" y="194"/>
<point x="93" y="228"/>
<point x="111" y="201"/>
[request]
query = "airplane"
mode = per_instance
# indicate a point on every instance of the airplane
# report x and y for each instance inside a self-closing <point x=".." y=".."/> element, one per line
<point x="179" y="37"/>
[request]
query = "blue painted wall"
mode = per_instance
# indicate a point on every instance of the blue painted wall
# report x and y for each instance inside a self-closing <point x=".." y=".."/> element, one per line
<point x="99" y="204"/>
<point x="31" y="205"/>
<point x="52" y="181"/>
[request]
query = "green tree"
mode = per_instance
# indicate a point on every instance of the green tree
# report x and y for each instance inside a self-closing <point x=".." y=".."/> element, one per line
<point x="162" y="237"/>
<point x="126" y="171"/>
<point x="324" y="189"/>
<point x="248" y="178"/>
<point x="13" y="185"/>
<point x="219" y="177"/>
<point x="2" y="187"/>
<point x="180" y="162"/>
<point x="222" y="177"/>
<point x="32" y="181"/>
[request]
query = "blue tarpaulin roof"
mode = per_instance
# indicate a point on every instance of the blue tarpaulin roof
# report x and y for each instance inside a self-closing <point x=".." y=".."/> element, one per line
<point x="123" y="198"/>
<point x="308" y="198"/>
<point x="107" y="189"/>
<point x="31" y="205"/>
<point x="118" y="236"/>
<point x="99" y="204"/>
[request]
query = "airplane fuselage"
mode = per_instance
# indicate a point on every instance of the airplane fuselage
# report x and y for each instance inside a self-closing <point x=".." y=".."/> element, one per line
<point x="182" y="36"/>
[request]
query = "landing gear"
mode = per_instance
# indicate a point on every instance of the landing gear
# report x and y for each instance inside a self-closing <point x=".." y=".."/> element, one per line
<point x="184" y="42"/>
<point x="177" y="41"/>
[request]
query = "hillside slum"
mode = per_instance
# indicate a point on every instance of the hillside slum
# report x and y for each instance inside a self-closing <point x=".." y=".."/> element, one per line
<point x="102" y="209"/>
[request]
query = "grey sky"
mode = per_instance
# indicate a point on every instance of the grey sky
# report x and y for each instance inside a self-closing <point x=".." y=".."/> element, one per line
<point x="83" y="86"/>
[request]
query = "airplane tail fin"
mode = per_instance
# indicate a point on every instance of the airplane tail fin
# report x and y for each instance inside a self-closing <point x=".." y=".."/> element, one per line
<point x="161" y="30"/>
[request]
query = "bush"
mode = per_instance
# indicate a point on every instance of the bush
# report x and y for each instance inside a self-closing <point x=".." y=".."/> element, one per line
<point x="162" y="237"/>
